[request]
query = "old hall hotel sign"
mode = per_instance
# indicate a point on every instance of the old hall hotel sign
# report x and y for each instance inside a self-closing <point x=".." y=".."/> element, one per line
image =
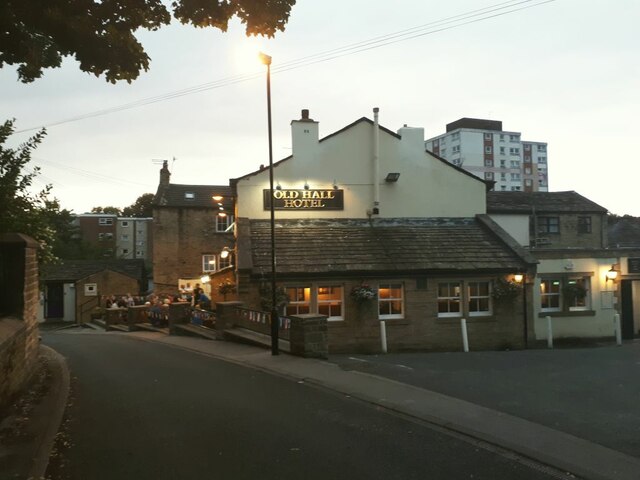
<point x="285" y="199"/>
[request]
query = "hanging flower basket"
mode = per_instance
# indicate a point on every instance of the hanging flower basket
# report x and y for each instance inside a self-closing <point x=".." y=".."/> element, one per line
<point x="226" y="287"/>
<point x="363" y="293"/>
<point x="505" y="290"/>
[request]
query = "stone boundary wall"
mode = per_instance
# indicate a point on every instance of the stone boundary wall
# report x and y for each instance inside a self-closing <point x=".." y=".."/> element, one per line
<point x="19" y="340"/>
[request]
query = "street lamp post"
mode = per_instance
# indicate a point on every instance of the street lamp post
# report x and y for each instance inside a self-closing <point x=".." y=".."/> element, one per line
<point x="275" y="321"/>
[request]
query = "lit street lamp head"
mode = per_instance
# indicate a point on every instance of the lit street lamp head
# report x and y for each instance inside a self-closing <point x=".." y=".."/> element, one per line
<point x="264" y="58"/>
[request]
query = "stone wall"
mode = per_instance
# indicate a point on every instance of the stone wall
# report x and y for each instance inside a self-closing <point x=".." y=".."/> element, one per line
<point x="18" y="309"/>
<point x="180" y="237"/>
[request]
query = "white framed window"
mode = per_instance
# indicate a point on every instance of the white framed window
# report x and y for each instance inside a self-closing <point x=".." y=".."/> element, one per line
<point x="514" y="138"/>
<point x="139" y="253"/>
<point x="479" y="298"/>
<point x="550" y="297"/>
<point x="515" y="177"/>
<point x="330" y="301"/>
<point x="503" y="176"/>
<point x="105" y="221"/>
<point x="124" y="224"/>
<point x="488" y="149"/>
<point x="208" y="263"/>
<point x="528" y="182"/>
<point x="488" y="162"/>
<point x="576" y="293"/>
<point x="456" y="149"/>
<point x="516" y="188"/>
<point x="189" y="196"/>
<point x="390" y="301"/>
<point x="514" y="151"/>
<point x="108" y="236"/>
<point x="542" y="148"/>
<point x="515" y="164"/>
<point x="502" y="150"/>
<point x="449" y="299"/>
<point x="299" y="300"/>
<point x="124" y="236"/>
<point x="488" y="136"/>
<point x="223" y="223"/>
<point x="101" y="236"/>
<point x="542" y="159"/>
<point x="488" y="175"/>
<point x="502" y="137"/>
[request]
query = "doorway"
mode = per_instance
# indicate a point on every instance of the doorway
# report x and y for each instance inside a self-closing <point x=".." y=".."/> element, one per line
<point x="54" y="301"/>
<point x="627" y="309"/>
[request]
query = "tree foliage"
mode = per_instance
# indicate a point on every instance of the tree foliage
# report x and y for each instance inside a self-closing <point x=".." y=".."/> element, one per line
<point x="33" y="214"/>
<point x="107" y="210"/>
<point x="37" y="34"/>
<point x="141" y="208"/>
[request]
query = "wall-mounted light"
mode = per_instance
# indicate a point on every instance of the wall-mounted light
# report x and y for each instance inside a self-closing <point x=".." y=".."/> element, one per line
<point x="392" y="177"/>
<point x="278" y="187"/>
<point x="306" y="186"/>
<point x="335" y="185"/>
<point x="612" y="274"/>
<point x="225" y="252"/>
<point x="217" y="198"/>
<point x="205" y="278"/>
<point x="518" y="277"/>
<point x="222" y="214"/>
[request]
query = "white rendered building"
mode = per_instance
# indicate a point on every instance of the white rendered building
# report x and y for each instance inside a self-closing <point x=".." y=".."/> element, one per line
<point x="483" y="148"/>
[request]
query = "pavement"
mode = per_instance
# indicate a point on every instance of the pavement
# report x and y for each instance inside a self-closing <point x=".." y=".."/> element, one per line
<point x="583" y="458"/>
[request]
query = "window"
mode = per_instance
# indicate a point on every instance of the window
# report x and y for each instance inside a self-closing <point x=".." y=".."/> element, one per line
<point x="488" y="149"/>
<point x="515" y="177"/>
<point x="223" y="223"/>
<point x="455" y="136"/>
<point x="488" y="162"/>
<point x="502" y="150"/>
<point x="584" y="224"/>
<point x="527" y="158"/>
<point x="567" y="293"/>
<point x="208" y="263"/>
<point x="515" y="164"/>
<point x="542" y="159"/>
<point x="503" y="176"/>
<point x="528" y="182"/>
<point x="139" y="253"/>
<point x="514" y="151"/>
<point x="124" y="237"/>
<point x="189" y="196"/>
<point x="140" y="243"/>
<point x="527" y="170"/>
<point x="479" y="298"/>
<point x="125" y="251"/>
<point x="503" y="164"/>
<point x="124" y="224"/>
<point x="502" y="137"/>
<point x="527" y="147"/>
<point x="542" y="148"/>
<point x="548" y="225"/>
<point x="549" y="295"/>
<point x="330" y="302"/>
<point x="488" y="136"/>
<point x="101" y="236"/>
<point x="390" y="301"/>
<point x="299" y="300"/>
<point x="140" y="232"/>
<point x="503" y="188"/>
<point x="456" y="161"/>
<point x="488" y="175"/>
<point x="516" y="189"/>
<point x="449" y="299"/>
<point x="456" y="149"/>
<point x="514" y="138"/>
<point x="105" y="221"/>
<point x="443" y="152"/>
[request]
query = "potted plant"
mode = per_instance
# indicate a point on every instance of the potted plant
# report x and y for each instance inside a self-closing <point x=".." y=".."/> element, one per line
<point x="574" y="291"/>
<point x="363" y="293"/>
<point x="505" y="290"/>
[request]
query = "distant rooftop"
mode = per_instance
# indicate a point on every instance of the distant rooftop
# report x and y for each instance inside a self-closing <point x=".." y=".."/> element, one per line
<point x="475" y="123"/>
<point x="542" y="202"/>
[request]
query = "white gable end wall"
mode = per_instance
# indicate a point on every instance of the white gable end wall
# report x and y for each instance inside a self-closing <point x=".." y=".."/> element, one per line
<point x="427" y="187"/>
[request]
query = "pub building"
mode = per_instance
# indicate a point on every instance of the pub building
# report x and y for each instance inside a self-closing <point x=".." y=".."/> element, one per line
<point x="370" y="227"/>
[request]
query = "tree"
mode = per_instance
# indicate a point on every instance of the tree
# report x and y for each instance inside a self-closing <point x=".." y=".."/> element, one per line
<point x="107" y="210"/>
<point x="142" y="208"/>
<point x="35" y="215"/>
<point x="37" y="34"/>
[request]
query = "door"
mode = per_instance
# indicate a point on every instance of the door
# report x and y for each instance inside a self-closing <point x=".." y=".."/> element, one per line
<point x="626" y="309"/>
<point x="55" y="301"/>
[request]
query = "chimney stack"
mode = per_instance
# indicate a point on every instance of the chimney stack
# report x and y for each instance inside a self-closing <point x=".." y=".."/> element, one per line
<point x="165" y="174"/>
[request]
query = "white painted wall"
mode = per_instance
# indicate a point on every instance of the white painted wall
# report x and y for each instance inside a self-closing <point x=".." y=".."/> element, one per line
<point x="600" y="325"/>
<point x="427" y="187"/>
<point x="516" y="225"/>
<point x="69" y="302"/>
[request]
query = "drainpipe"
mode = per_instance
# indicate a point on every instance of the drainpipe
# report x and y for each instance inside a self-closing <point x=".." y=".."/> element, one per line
<point x="376" y="163"/>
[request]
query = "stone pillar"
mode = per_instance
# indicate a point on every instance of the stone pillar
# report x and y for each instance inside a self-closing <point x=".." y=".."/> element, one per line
<point x="179" y="313"/>
<point x="113" y="316"/>
<point x="19" y="298"/>
<point x="309" y="336"/>
<point x="225" y="316"/>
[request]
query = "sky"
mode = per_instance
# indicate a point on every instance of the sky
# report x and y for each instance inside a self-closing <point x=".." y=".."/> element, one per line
<point x="565" y="72"/>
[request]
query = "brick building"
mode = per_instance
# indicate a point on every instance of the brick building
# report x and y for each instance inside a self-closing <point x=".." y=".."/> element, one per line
<point x="192" y="224"/>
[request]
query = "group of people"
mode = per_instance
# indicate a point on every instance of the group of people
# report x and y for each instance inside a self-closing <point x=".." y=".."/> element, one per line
<point x="195" y="296"/>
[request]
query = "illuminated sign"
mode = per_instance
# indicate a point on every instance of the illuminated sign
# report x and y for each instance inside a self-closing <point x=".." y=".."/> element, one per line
<point x="330" y="199"/>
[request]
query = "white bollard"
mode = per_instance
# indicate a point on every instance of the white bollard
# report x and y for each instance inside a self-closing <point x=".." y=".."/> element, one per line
<point x="465" y="338"/>
<point x="383" y="335"/>
<point x="549" y="332"/>
<point x="616" y="326"/>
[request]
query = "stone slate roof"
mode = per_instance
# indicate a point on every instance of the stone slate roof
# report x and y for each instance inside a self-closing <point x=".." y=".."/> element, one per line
<point x="624" y="233"/>
<point x="173" y="195"/>
<point x="73" y="270"/>
<point x="543" y="202"/>
<point x="352" y="246"/>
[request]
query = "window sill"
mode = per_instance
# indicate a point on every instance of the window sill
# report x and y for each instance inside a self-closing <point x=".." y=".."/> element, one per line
<point x="475" y="319"/>
<point x="574" y="313"/>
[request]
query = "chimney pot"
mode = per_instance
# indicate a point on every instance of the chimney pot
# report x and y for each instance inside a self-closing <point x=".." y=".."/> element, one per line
<point x="305" y="114"/>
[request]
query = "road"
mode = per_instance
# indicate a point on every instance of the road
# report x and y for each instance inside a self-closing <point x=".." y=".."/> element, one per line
<point x="591" y="393"/>
<point x="143" y="410"/>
